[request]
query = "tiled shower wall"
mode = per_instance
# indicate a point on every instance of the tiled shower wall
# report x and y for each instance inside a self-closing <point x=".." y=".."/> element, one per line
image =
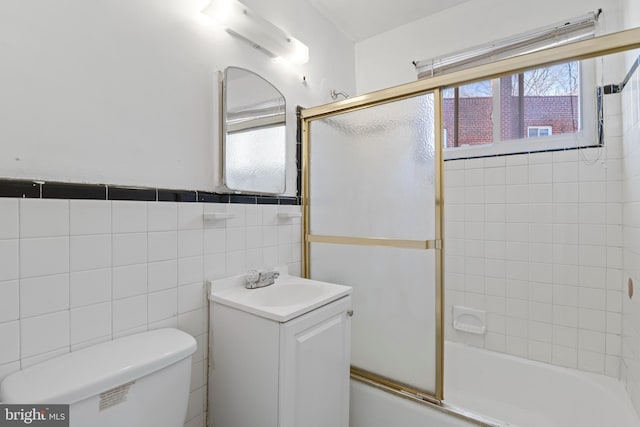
<point x="536" y="241"/>
<point x="78" y="272"/>
<point x="631" y="198"/>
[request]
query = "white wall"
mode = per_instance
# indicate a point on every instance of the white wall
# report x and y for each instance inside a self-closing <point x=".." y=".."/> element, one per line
<point x="125" y="92"/>
<point x="631" y="13"/>
<point x="78" y="272"/>
<point x="385" y="60"/>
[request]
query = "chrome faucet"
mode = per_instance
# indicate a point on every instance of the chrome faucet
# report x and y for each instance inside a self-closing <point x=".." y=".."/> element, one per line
<point x="260" y="279"/>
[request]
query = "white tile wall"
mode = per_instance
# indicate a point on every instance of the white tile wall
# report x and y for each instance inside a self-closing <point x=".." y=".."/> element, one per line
<point x="10" y="351"/>
<point x="90" y="252"/>
<point x="129" y="281"/>
<point x="128" y="217"/>
<point x="163" y="245"/>
<point x="630" y="343"/>
<point x="129" y="249"/>
<point x="89" y="217"/>
<point x="9" y="213"/>
<point x="129" y="313"/>
<point x="163" y="217"/>
<point x="536" y="241"/>
<point x="76" y="273"/>
<point x="9" y="259"/>
<point x="48" y="219"/>
<point x="42" y="257"/>
<point x="90" y="322"/>
<point x="90" y="287"/>
<point x="43" y="334"/>
<point x="163" y="305"/>
<point x="9" y="301"/>
<point x="42" y="295"/>
<point x="162" y="275"/>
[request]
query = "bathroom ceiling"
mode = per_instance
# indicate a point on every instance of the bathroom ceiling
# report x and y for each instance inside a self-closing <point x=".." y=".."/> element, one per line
<point x="361" y="19"/>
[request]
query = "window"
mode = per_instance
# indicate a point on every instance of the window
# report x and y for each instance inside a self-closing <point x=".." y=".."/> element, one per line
<point x="534" y="131"/>
<point x="467" y="112"/>
<point x="535" y="110"/>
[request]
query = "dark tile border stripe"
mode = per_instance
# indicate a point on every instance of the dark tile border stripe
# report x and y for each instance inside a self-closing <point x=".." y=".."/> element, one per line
<point x="243" y="198"/>
<point x="177" y="196"/>
<point x="19" y="188"/>
<point x="74" y="191"/>
<point x="289" y="201"/>
<point x="212" y="197"/>
<point x="61" y="190"/>
<point x="266" y="200"/>
<point x="126" y="193"/>
<point x="552" y="150"/>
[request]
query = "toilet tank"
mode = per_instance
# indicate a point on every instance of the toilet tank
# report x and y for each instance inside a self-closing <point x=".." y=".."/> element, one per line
<point x="141" y="380"/>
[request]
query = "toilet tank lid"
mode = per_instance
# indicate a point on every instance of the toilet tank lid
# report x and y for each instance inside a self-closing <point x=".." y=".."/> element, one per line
<point x="84" y="373"/>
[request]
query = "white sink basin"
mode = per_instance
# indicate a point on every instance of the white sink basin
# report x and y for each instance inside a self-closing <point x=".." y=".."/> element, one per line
<point x="287" y="298"/>
<point x="283" y="295"/>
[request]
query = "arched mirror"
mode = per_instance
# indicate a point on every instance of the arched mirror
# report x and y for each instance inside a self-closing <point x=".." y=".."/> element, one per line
<point x="253" y="134"/>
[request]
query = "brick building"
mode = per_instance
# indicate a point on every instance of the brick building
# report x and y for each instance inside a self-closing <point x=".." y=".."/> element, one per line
<point x="559" y="113"/>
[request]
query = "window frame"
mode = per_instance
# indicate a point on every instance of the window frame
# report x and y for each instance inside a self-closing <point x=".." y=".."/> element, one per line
<point x="586" y="136"/>
<point x="538" y="129"/>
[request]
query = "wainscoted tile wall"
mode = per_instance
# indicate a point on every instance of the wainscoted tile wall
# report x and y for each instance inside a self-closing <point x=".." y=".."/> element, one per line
<point x="631" y="232"/>
<point x="536" y="240"/>
<point x="78" y="272"/>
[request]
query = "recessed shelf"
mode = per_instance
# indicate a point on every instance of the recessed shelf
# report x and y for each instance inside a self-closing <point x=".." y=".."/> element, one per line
<point x="289" y="215"/>
<point x="218" y="216"/>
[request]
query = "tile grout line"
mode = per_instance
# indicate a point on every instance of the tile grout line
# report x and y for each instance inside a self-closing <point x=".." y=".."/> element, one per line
<point x="68" y="206"/>
<point x="110" y="208"/>
<point x="146" y="228"/>
<point x="19" y="266"/>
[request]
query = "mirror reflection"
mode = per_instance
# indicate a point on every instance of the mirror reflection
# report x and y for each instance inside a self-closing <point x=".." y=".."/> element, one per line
<point x="254" y="134"/>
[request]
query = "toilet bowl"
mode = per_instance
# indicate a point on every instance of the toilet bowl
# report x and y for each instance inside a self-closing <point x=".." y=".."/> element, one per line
<point x="141" y="380"/>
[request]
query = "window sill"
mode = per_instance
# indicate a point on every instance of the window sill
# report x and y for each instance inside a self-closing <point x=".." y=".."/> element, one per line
<point x="521" y="146"/>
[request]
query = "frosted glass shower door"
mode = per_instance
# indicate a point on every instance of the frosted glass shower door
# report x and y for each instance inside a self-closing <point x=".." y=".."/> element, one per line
<point x="372" y="225"/>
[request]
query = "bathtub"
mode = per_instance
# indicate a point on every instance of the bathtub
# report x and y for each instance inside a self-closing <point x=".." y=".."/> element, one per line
<point x="506" y="391"/>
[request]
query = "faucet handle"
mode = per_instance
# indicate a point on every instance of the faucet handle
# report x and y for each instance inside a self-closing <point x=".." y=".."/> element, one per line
<point x="253" y="276"/>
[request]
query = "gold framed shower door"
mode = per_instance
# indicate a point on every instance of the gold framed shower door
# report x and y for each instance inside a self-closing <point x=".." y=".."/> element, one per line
<point x="434" y="244"/>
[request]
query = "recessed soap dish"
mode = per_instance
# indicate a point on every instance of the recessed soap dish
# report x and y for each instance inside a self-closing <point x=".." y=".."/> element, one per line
<point x="469" y="320"/>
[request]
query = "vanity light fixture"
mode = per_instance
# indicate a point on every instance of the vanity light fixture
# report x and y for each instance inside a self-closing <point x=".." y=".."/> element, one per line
<point x="240" y="21"/>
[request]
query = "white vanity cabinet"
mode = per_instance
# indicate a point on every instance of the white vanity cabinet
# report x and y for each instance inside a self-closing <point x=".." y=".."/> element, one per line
<point x="267" y="373"/>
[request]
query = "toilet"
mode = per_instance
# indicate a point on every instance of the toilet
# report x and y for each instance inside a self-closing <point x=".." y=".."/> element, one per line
<point x="141" y="380"/>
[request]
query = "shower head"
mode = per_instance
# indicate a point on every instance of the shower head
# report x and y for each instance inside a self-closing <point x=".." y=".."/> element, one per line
<point x="334" y="94"/>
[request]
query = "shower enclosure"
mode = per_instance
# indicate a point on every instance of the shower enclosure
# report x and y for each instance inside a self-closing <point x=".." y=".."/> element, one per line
<point x="373" y="218"/>
<point x="374" y="222"/>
